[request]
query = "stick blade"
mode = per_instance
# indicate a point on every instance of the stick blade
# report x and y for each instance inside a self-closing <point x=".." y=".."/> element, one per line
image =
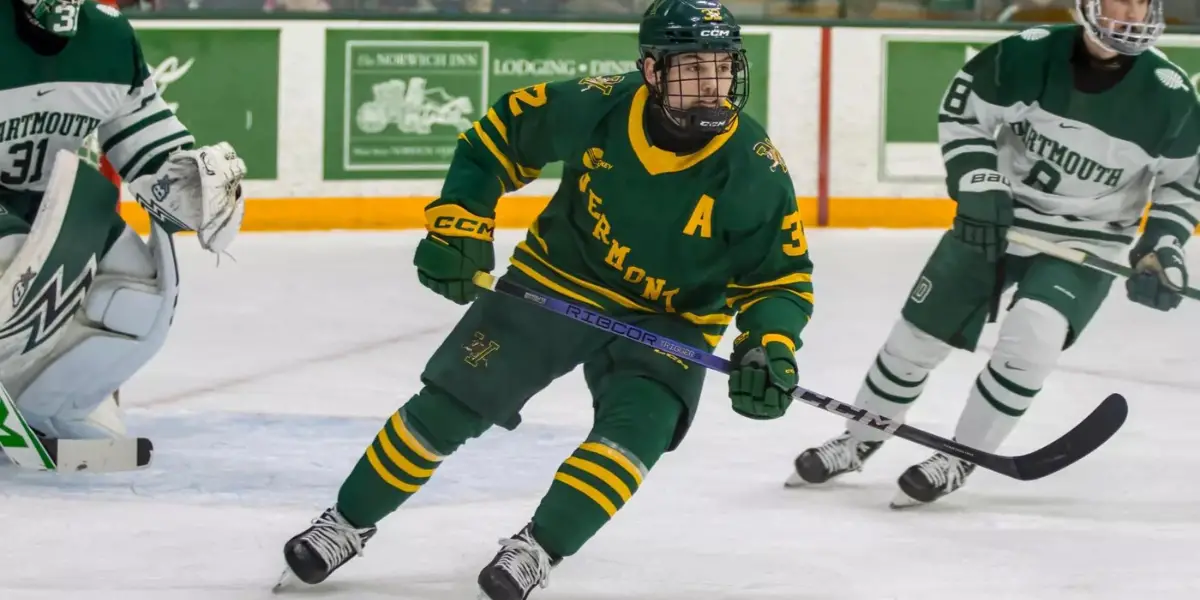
<point x="1088" y="435"/>
<point x="99" y="456"/>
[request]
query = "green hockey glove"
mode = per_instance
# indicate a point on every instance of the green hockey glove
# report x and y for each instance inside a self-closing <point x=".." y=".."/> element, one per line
<point x="458" y="244"/>
<point x="985" y="212"/>
<point x="763" y="376"/>
<point x="1161" y="272"/>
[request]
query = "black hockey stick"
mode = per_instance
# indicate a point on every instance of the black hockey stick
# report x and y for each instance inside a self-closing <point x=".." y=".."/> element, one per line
<point x="1088" y="435"/>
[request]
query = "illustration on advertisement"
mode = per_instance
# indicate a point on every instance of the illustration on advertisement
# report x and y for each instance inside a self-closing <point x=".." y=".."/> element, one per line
<point x="406" y="102"/>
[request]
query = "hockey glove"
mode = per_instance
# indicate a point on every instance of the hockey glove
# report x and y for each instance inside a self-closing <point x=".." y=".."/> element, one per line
<point x="985" y="212"/>
<point x="763" y="376"/>
<point x="1161" y="272"/>
<point x="458" y="244"/>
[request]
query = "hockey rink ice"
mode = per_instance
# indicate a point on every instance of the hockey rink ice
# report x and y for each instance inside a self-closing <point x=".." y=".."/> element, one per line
<point x="285" y="361"/>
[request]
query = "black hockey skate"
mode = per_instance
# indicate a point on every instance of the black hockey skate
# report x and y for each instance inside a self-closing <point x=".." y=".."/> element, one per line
<point x="839" y="455"/>
<point x="925" y="482"/>
<point x="521" y="565"/>
<point x="318" y="551"/>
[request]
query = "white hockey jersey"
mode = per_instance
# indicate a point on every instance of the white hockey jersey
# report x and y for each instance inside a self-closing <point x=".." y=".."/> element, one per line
<point x="1082" y="165"/>
<point x="98" y="82"/>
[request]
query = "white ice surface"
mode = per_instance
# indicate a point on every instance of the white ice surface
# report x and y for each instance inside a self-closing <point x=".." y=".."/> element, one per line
<point x="284" y="363"/>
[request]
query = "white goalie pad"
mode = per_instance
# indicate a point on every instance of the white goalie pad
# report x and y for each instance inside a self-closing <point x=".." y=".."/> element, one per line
<point x="77" y="328"/>
<point x="123" y="324"/>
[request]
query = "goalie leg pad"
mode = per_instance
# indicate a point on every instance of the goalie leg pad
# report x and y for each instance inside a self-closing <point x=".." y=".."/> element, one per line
<point x="123" y="324"/>
<point x="897" y="377"/>
<point x="1030" y="341"/>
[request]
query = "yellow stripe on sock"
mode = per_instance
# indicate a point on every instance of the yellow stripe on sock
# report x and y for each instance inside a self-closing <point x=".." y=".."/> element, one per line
<point x="383" y="473"/>
<point x="588" y="491"/>
<point x="602" y="474"/>
<point x="410" y="440"/>
<point x="615" y="456"/>
<point x="398" y="459"/>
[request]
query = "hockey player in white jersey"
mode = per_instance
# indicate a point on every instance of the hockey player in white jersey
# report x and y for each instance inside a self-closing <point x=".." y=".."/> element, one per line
<point x="1062" y="132"/>
<point x="91" y="302"/>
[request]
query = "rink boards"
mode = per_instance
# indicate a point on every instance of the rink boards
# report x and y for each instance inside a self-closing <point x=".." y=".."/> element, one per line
<point x="350" y="124"/>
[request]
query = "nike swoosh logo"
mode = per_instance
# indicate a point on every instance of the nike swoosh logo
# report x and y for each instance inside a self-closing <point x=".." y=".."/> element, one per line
<point x="41" y="93"/>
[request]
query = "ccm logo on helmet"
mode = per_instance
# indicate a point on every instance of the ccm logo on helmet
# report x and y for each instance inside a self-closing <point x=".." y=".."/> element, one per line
<point x="714" y="33"/>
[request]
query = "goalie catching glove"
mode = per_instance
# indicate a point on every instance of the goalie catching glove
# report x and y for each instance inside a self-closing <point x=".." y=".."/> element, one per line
<point x="198" y="190"/>
<point x="763" y="376"/>
<point x="458" y="244"/>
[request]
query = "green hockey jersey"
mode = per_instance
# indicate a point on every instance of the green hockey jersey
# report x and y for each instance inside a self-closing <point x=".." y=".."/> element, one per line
<point x="633" y="228"/>
<point x="98" y="83"/>
<point x="1083" y="166"/>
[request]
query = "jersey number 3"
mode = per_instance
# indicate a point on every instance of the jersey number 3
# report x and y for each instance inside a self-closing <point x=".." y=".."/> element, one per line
<point x="799" y="244"/>
<point x="26" y="163"/>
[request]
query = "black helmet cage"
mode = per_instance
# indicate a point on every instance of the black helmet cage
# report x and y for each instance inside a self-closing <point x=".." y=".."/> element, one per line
<point x="699" y="119"/>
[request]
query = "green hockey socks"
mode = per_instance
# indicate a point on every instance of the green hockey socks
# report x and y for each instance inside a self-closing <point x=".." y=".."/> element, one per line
<point x="632" y="431"/>
<point x="588" y="490"/>
<point x="404" y="455"/>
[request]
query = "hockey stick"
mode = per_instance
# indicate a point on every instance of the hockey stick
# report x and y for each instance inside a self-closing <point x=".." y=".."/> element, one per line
<point x="1081" y="258"/>
<point x="1088" y="435"/>
<point x="27" y="450"/>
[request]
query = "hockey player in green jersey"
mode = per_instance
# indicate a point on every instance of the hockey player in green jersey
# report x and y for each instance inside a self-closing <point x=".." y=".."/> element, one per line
<point x="1062" y="132"/>
<point x="675" y="213"/>
<point x="91" y="302"/>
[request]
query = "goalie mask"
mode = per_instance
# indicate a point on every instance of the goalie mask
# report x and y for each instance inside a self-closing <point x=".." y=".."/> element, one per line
<point x="701" y="76"/>
<point x="1130" y="29"/>
<point x="60" y="17"/>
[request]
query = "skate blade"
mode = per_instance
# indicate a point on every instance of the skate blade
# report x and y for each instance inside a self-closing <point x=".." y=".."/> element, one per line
<point x="902" y="501"/>
<point x="286" y="581"/>
<point x="795" y="481"/>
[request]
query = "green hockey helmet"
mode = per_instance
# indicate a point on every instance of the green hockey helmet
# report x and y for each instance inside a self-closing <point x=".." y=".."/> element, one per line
<point x="1126" y="31"/>
<point x="60" y="17"/>
<point x="701" y="75"/>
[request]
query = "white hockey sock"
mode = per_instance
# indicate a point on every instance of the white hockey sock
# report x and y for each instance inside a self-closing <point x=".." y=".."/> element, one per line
<point x="897" y="377"/>
<point x="1031" y="340"/>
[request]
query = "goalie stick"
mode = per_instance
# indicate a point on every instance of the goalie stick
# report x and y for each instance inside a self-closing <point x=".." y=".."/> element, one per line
<point x="28" y="450"/>
<point x="1088" y="435"/>
<point x="1082" y="258"/>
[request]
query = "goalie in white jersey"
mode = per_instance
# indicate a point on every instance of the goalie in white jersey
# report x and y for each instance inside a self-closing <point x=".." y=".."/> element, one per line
<point x="1061" y="132"/>
<point x="91" y="302"/>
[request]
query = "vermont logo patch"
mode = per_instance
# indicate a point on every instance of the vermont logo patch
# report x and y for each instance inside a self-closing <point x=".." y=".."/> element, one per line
<point x="767" y="149"/>
<point x="604" y="83"/>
